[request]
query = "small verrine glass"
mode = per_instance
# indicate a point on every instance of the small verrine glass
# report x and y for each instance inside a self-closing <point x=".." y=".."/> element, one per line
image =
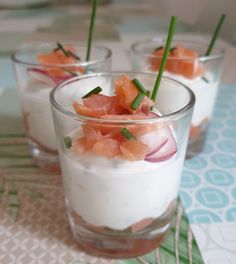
<point x="39" y="67"/>
<point x="187" y="64"/>
<point x="120" y="203"/>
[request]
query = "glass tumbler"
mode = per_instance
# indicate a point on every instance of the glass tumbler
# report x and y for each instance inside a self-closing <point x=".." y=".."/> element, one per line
<point x="187" y="64"/>
<point x="119" y="206"/>
<point x="39" y="67"/>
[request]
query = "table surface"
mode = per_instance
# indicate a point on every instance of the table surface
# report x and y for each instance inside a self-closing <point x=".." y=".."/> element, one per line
<point x="208" y="188"/>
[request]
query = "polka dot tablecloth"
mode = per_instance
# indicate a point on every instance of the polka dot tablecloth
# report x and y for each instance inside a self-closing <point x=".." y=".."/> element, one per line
<point x="208" y="188"/>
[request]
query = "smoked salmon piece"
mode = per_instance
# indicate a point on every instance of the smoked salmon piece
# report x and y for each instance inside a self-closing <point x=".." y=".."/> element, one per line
<point x="106" y="147"/>
<point x="126" y="93"/>
<point x="126" y="141"/>
<point x="57" y="57"/>
<point x="100" y="102"/>
<point x="86" y="111"/>
<point x="181" y="61"/>
<point x="134" y="150"/>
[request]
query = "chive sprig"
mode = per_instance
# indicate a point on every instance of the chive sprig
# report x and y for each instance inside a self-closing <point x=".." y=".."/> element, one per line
<point x="96" y="90"/>
<point x="127" y="134"/>
<point x="215" y="35"/>
<point x="137" y="100"/>
<point x="67" y="53"/>
<point x="91" y="27"/>
<point x="67" y="142"/>
<point x="164" y="58"/>
<point x="60" y="47"/>
<point x="139" y="86"/>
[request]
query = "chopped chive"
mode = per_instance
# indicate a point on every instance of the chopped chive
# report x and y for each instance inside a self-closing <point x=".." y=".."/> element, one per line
<point x="70" y="72"/>
<point x="159" y="48"/>
<point x="68" y="142"/>
<point x="73" y="55"/>
<point x="139" y="86"/>
<point x="127" y="134"/>
<point x="164" y="58"/>
<point x="205" y="79"/>
<point x="96" y="90"/>
<point x="137" y="100"/>
<point x="60" y="47"/>
<point x="90" y="36"/>
<point x="67" y="53"/>
<point x="215" y="35"/>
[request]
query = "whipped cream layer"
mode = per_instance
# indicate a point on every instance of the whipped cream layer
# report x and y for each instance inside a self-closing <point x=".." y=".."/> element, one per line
<point x="116" y="193"/>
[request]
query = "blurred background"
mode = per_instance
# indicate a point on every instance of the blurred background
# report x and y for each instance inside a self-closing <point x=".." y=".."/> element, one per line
<point x="201" y="15"/>
<point x="118" y="24"/>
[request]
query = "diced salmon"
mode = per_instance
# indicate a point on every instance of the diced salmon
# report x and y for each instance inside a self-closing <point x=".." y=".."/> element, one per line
<point x="182" y="61"/>
<point x="106" y="138"/>
<point x="57" y="57"/>
<point x="90" y="140"/>
<point x="92" y="136"/>
<point x="124" y="117"/>
<point x="78" y="146"/>
<point x="126" y="92"/>
<point x="100" y="102"/>
<point x="133" y="150"/>
<point x="86" y="111"/>
<point x="106" y="147"/>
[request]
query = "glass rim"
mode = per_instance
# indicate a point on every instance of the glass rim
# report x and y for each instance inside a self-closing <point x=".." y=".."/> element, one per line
<point x="32" y="46"/>
<point x="218" y="55"/>
<point x="160" y="119"/>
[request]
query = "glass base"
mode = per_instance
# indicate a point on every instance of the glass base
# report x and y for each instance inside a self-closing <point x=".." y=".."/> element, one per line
<point x="197" y="140"/>
<point x="109" y="243"/>
<point x="47" y="161"/>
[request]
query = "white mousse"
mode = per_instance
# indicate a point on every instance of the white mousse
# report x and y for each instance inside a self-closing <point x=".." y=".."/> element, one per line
<point x="36" y="106"/>
<point x="205" y="93"/>
<point x="116" y="193"/>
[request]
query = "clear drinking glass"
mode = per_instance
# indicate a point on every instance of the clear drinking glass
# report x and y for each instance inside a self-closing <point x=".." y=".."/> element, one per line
<point x="116" y="207"/>
<point x="201" y="74"/>
<point x="35" y="81"/>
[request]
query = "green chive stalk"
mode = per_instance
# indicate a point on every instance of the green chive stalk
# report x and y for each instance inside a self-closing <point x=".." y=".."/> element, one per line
<point x="164" y="58"/>
<point x="91" y="27"/>
<point x="215" y="35"/>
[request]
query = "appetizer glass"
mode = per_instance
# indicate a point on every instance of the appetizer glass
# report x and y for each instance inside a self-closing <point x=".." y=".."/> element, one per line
<point x="119" y="207"/>
<point x="200" y="73"/>
<point x="36" y="76"/>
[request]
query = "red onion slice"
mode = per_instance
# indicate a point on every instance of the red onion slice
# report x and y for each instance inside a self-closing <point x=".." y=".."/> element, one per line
<point x="165" y="146"/>
<point x="155" y="150"/>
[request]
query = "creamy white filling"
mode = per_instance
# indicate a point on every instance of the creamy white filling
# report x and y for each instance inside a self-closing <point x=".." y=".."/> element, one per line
<point x="36" y="106"/>
<point x="205" y="93"/>
<point x="116" y="193"/>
